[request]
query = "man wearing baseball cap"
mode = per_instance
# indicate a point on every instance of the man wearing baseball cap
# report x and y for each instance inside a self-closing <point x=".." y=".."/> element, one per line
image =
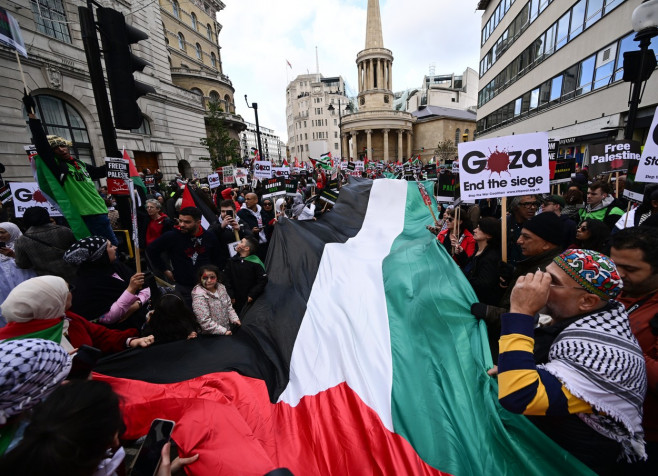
<point x="588" y="396"/>
<point x="555" y="204"/>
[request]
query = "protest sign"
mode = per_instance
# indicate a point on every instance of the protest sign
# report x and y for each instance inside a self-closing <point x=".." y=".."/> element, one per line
<point x="359" y="166"/>
<point x="241" y="178"/>
<point x="291" y="187"/>
<point x="117" y="174"/>
<point x="502" y="166"/>
<point x="560" y="169"/>
<point x="343" y="164"/>
<point x="149" y="181"/>
<point x="213" y="181"/>
<point x="10" y="32"/>
<point x="262" y="169"/>
<point x="647" y="170"/>
<point x="274" y="187"/>
<point x="446" y="187"/>
<point x="26" y="195"/>
<point x="634" y="190"/>
<point x="351" y="166"/>
<point x="281" y="172"/>
<point x="227" y="174"/>
<point x="430" y="171"/>
<point x="612" y="156"/>
<point x="5" y="194"/>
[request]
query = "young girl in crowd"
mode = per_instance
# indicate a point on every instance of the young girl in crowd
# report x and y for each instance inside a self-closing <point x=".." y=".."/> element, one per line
<point x="212" y="304"/>
<point x="171" y="320"/>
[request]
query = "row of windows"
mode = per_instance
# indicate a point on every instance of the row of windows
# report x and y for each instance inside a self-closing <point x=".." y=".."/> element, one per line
<point x="318" y="122"/>
<point x="595" y="72"/>
<point x="50" y="18"/>
<point x="580" y="17"/>
<point x="526" y="16"/>
<point x="497" y="15"/>
<point x="195" y="23"/>
<point x="182" y="45"/>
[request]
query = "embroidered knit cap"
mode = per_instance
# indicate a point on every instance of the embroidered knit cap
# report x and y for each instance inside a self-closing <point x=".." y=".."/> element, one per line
<point x="593" y="271"/>
<point x="547" y="226"/>
<point x="86" y="249"/>
<point x="56" y="141"/>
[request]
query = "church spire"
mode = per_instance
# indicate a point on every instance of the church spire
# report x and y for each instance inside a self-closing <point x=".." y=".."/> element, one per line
<point x="374" y="37"/>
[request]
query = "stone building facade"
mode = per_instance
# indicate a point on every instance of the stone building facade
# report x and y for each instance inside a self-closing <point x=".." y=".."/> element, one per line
<point x="57" y="75"/>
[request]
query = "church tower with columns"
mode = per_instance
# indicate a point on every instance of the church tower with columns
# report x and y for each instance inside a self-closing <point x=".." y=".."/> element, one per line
<point x="377" y="131"/>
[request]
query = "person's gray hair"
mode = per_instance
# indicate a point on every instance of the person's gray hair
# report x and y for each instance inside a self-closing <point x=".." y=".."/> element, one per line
<point x="154" y="202"/>
<point x="515" y="202"/>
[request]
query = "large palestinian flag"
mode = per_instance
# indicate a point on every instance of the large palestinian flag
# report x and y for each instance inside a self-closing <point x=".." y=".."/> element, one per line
<point x="360" y="358"/>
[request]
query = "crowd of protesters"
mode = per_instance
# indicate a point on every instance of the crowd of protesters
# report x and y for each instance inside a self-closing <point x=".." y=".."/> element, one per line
<point x="566" y="283"/>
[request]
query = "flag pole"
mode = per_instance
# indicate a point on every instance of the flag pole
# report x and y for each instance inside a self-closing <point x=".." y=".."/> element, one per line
<point x="503" y="229"/>
<point x="20" y="68"/>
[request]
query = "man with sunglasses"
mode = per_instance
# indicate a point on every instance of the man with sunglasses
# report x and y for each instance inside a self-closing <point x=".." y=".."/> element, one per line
<point x="587" y="391"/>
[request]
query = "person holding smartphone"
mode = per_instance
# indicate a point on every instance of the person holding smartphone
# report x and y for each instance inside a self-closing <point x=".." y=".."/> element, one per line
<point x="225" y="230"/>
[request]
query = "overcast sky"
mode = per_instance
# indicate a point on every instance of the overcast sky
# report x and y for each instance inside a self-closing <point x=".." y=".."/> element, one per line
<point x="258" y="36"/>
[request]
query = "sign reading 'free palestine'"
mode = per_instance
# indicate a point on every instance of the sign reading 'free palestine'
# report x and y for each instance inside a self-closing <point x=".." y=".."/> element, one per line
<point x="504" y="166"/>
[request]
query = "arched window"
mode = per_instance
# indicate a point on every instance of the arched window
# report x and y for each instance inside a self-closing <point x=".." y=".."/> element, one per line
<point x="227" y="102"/>
<point x="194" y="24"/>
<point x="466" y="136"/>
<point x="214" y="97"/>
<point x="209" y="31"/>
<point x="457" y="134"/>
<point x="181" y="41"/>
<point x="197" y="91"/>
<point x="176" y="8"/>
<point x="60" y="118"/>
<point x="213" y="60"/>
<point x="199" y="52"/>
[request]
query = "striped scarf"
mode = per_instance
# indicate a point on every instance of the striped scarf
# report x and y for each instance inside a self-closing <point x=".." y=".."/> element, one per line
<point x="598" y="360"/>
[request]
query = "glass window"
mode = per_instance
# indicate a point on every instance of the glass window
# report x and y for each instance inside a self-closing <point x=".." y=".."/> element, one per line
<point x="626" y="44"/>
<point x="525" y="103"/>
<point x="603" y="75"/>
<point x="534" y="10"/>
<point x="214" y="97"/>
<point x="545" y="93"/>
<point x="194" y="23"/>
<point x="577" y="19"/>
<point x="569" y="79"/>
<point x="50" y="17"/>
<point x="60" y="118"/>
<point x="550" y="40"/>
<point x="209" y="31"/>
<point x="543" y="4"/>
<point x="594" y="11"/>
<point x="145" y="128"/>
<point x="586" y="75"/>
<point x="562" y="34"/>
<point x="539" y="47"/>
<point x="181" y="41"/>
<point x="611" y="5"/>
<point x="213" y="60"/>
<point x="176" y="9"/>
<point x="457" y="134"/>
<point x="556" y="88"/>
<point x="534" y="99"/>
<point x="517" y="107"/>
<point x="199" y="52"/>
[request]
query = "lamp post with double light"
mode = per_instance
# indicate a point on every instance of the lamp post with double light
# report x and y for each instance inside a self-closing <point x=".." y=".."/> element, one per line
<point x="254" y="106"/>
<point x="340" y="121"/>
<point x="639" y="65"/>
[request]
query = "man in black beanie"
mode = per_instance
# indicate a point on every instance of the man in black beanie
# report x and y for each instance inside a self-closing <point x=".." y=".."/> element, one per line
<point x="541" y="240"/>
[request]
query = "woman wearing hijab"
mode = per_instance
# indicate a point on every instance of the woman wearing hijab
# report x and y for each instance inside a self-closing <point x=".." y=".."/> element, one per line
<point x="10" y="274"/>
<point x="30" y="370"/>
<point x="104" y="289"/>
<point x="39" y="307"/>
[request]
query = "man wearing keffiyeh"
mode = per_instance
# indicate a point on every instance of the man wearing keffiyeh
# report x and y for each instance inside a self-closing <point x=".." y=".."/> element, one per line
<point x="588" y="395"/>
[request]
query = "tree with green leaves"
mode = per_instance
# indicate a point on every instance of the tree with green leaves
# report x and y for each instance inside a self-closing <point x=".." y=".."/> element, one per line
<point x="446" y="150"/>
<point x="223" y="149"/>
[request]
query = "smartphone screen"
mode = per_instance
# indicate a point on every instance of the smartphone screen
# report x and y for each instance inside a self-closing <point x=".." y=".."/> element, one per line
<point x="148" y="459"/>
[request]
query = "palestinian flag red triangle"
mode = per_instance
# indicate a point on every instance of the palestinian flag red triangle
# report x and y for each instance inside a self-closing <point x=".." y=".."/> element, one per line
<point x="361" y="357"/>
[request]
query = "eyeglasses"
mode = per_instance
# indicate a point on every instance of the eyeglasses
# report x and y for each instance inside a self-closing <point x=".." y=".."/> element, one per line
<point x="450" y="219"/>
<point x="530" y="204"/>
<point x="267" y="204"/>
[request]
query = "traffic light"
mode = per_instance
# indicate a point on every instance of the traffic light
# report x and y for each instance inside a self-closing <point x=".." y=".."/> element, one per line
<point x="120" y="64"/>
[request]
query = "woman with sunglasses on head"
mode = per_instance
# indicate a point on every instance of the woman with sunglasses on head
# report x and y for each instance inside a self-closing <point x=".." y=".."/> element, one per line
<point x="592" y="235"/>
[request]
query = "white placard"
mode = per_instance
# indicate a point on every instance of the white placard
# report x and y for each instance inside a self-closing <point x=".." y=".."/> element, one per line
<point x="647" y="170"/>
<point x="241" y="178"/>
<point x="213" y="180"/>
<point x="359" y="165"/>
<point x="227" y="174"/>
<point x="262" y="169"/>
<point x="504" y="166"/>
<point x="281" y="172"/>
<point x="26" y="195"/>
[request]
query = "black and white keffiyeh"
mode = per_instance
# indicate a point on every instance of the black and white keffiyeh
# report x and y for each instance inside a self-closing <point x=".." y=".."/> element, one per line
<point x="599" y="360"/>
<point x="30" y="370"/>
<point x="86" y="250"/>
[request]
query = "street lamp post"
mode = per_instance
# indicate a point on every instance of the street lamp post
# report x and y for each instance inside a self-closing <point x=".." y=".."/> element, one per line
<point x="340" y="122"/>
<point x="254" y="106"/>
<point x="638" y="65"/>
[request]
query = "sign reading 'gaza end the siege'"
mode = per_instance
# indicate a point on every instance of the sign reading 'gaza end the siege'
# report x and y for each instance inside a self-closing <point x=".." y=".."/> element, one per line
<point x="612" y="156"/>
<point x="504" y="166"/>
